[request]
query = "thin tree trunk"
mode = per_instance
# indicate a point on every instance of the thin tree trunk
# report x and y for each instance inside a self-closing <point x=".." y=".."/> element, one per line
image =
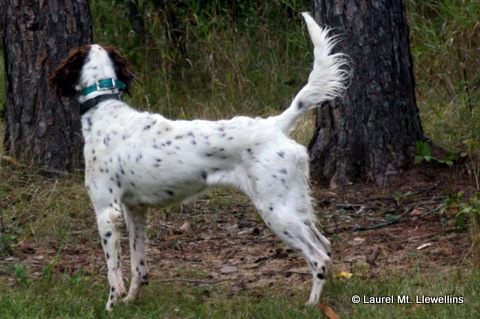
<point x="369" y="134"/>
<point x="136" y="20"/>
<point x="37" y="35"/>
<point x="175" y="34"/>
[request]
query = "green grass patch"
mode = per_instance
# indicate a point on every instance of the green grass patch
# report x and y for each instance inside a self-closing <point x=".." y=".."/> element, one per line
<point x="75" y="297"/>
<point x="41" y="210"/>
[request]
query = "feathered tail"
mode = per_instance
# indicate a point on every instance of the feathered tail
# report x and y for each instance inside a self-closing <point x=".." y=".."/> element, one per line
<point x="326" y="81"/>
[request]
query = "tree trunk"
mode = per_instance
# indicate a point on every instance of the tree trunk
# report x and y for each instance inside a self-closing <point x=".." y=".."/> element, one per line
<point x="370" y="133"/>
<point x="175" y="34"/>
<point x="136" y="20"/>
<point x="37" y="36"/>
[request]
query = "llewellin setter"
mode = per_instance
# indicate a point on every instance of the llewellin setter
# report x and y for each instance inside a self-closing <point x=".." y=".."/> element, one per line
<point x="138" y="159"/>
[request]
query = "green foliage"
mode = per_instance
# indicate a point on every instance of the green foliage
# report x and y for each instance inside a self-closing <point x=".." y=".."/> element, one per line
<point x="444" y="43"/>
<point x="465" y="212"/>
<point x="473" y="154"/>
<point x="20" y="275"/>
<point x="6" y="243"/>
<point x="470" y="210"/>
<point x="425" y="155"/>
<point x="17" y="272"/>
<point x="451" y="204"/>
<point x="399" y="196"/>
<point x="452" y="200"/>
<point x="76" y="278"/>
<point x="47" y="271"/>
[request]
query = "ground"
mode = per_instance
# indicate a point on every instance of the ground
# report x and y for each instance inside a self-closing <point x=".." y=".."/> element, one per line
<point x="403" y="226"/>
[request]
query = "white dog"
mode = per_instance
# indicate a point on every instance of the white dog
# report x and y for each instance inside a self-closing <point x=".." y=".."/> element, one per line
<point x="135" y="160"/>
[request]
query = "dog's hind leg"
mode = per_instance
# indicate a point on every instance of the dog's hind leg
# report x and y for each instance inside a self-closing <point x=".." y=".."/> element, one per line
<point x="318" y="269"/>
<point x="136" y="221"/>
<point x="287" y="213"/>
<point x="299" y="236"/>
<point x="108" y="220"/>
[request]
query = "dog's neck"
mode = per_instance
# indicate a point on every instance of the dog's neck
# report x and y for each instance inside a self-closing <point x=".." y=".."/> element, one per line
<point x="98" y="81"/>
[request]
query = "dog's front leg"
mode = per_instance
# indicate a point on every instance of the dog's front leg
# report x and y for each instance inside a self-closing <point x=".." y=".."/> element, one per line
<point x="108" y="220"/>
<point x="136" y="224"/>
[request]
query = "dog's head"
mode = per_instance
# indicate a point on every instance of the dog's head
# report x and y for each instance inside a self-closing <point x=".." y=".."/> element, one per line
<point x="86" y="65"/>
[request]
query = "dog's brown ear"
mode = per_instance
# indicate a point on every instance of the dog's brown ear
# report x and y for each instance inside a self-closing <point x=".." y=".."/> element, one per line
<point x="66" y="75"/>
<point x="124" y="70"/>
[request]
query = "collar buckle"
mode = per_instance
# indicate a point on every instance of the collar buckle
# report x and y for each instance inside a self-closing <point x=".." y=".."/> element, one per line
<point x="104" y="85"/>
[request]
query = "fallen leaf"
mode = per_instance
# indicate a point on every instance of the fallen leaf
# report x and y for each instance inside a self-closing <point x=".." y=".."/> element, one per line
<point x="185" y="228"/>
<point x="11" y="160"/>
<point x="268" y="272"/>
<point x="343" y="274"/>
<point x="417" y="212"/>
<point x="236" y="288"/>
<point x="413" y="308"/>
<point x="373" y="256"/>
<point x="327" y="311"/>
<point x="453" y="210"/>
<point x="331" y="194"/>
<point x="228" y="269"/>
<point x="359" y="240"/>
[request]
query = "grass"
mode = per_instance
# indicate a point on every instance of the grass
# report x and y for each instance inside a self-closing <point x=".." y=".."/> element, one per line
<point x="76" y="297"/>
<point x="444" y="37"/>
<point x="36" y="208"/>
<point x="85" y="299"/>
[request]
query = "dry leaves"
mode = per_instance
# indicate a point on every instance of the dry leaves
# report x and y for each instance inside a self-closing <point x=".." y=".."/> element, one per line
<point x="327" y="311"/>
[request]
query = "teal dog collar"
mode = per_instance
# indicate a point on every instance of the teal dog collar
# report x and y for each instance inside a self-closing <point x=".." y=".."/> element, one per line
<point x="102" y="85"/>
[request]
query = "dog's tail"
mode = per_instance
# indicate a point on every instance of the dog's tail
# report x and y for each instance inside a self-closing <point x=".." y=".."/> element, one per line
<point x="327" y="80"/>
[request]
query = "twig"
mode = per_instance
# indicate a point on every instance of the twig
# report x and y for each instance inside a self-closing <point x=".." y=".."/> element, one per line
<point x="199" y="282"/>
<point x="361" y="207"/>
<point x="373" y="256"/>
<point x="412" y="193"/>
<point x="393" y="221"/>
<point x="297" y="273"/>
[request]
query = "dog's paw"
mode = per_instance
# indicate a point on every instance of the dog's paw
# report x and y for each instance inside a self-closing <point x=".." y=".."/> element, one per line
<point x="129" y="299"/>
<point x="111" y="302"/>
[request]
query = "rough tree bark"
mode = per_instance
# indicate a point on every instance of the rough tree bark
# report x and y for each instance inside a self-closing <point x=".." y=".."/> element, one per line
<point x="369" y="134"/>
<point x="37" y="35"/>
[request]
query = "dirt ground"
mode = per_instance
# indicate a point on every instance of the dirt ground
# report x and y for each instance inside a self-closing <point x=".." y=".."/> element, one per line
<point x="372" y="229"/>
